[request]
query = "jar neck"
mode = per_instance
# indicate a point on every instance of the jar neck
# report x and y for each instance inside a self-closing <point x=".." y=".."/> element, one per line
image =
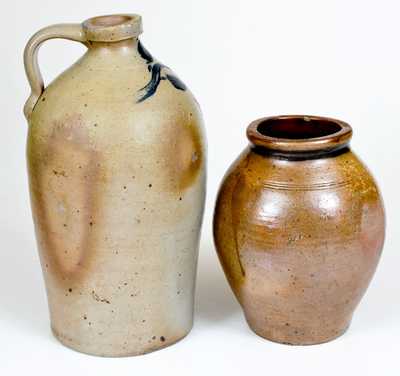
<point x="300" y="155"/>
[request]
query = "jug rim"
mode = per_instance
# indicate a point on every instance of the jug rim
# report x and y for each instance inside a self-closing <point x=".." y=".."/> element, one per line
<point x="112" y="27"/>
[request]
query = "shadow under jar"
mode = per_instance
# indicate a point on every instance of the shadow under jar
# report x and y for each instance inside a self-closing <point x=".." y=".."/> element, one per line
<point x="299" y="228"/>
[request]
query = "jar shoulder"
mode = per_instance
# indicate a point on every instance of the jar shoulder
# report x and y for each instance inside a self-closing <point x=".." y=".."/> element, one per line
<point x="261" y="187"/>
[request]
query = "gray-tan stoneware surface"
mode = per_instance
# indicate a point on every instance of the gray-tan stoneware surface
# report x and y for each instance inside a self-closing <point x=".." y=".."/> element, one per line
<point x="116" y="162"/>
<point x="299" y="228"/>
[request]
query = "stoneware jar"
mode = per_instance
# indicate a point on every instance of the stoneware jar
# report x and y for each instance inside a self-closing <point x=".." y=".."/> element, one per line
<point x="299" y="228"/>
<point x="116" y="162"/>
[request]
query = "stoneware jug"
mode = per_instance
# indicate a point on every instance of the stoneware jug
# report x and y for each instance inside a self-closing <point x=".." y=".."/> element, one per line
<point x="299" y="228"/>
<point x="116" y="162"/>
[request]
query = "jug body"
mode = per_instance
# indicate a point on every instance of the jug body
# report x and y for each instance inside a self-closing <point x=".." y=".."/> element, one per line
<point x="116" y="163"/>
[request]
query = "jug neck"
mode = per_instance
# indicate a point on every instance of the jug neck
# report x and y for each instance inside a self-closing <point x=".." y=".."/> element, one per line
<point x="125" y="44"/>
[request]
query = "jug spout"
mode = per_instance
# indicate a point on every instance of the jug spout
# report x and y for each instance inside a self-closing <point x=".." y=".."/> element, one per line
<point x="113" y="28"/>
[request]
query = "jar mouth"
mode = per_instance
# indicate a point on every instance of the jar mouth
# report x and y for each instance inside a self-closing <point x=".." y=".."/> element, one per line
<point x="113" y="27"/>
<point x="299" y="133"/>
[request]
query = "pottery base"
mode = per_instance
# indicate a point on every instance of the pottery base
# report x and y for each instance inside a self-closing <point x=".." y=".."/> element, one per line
<point x="288" y="335"/>
<point x="67" y="342"/>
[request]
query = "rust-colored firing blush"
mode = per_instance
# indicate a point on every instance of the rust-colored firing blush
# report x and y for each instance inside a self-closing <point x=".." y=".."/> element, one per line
<point x="65" y="179"/>
<point x="299" y="228"/>
<point x="184" y="154"/>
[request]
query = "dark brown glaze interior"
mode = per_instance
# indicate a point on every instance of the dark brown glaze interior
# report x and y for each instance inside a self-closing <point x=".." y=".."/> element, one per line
<point x="297" y="128"/>
<point x="299" y="134"/>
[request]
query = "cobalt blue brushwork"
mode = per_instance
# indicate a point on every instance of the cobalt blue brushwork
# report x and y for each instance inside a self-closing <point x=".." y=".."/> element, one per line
<point x="158" y="72"/>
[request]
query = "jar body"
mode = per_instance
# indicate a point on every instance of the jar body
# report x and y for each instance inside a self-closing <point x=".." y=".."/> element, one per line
<point x="117" y="185"/>
<point x="299" y="241"/>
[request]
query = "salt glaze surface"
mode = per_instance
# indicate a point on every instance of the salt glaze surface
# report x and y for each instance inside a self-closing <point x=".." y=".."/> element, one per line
<point x="117" y="171"/>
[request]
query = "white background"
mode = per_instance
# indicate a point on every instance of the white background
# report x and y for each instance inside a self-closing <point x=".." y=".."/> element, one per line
<point x="242" y="60"/>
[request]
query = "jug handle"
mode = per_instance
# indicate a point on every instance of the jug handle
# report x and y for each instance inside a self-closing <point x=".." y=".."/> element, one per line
<point x="72" y="32"/>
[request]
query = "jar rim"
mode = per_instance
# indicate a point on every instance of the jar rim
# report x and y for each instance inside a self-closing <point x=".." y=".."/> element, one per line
<point x="299" y="133"/>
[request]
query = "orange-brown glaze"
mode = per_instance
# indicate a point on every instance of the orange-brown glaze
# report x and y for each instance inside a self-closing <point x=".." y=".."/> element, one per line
<point x="299" y="237"/>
